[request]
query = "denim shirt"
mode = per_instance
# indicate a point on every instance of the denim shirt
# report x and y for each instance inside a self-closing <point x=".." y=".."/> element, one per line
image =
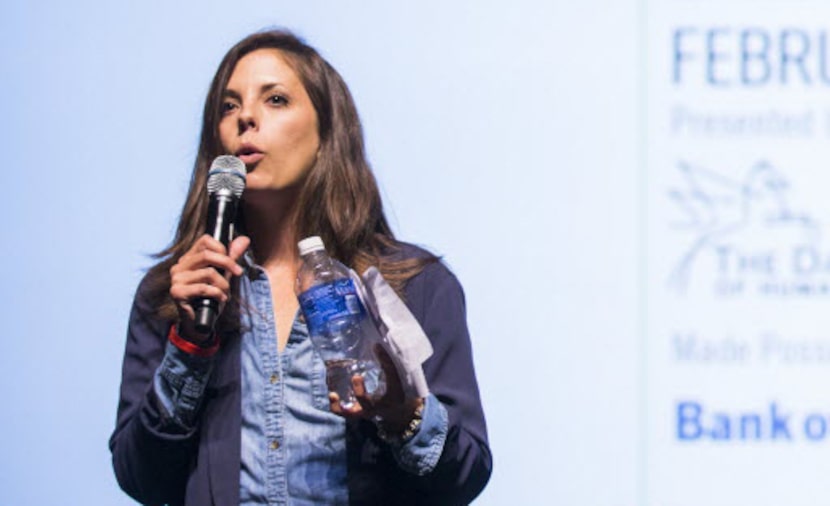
<point x="293" y="449"/>
<point x="292" y="444"/>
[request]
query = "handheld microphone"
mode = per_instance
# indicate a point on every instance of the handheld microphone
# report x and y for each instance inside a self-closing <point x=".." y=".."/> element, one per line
<point x="225" y="184"/>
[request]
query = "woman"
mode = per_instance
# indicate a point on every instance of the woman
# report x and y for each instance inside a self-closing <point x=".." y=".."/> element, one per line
<point x="242" y="415"/>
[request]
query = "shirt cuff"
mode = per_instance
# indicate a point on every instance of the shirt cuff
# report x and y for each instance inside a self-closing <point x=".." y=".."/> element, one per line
<point x="420" y="454"/>
<point x="179" y="385"/>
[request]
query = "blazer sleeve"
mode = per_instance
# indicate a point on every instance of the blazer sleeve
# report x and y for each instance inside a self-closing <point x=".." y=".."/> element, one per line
<point x="151" y="454"/>
<point x="465" y="465"/>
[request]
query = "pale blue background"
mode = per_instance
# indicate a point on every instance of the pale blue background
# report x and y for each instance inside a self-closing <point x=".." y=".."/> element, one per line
<point x="504" y="135"/>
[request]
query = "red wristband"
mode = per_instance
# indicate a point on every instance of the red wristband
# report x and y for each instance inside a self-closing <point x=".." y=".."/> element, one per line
<point x="193" y="348"/>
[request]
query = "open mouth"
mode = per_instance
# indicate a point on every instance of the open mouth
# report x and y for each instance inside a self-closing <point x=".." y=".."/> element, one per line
<point x="249" y="155"/>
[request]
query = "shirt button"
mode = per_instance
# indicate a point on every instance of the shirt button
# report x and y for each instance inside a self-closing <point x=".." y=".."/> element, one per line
<point x="274" y="444"/>
<point x="274" y="378"/>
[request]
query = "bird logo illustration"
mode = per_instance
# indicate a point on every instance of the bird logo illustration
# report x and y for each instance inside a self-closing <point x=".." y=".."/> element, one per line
<point x="716" y="210"/>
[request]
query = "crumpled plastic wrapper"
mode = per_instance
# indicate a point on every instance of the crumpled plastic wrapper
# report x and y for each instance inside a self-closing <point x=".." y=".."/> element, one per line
<point x="400" y="333"/>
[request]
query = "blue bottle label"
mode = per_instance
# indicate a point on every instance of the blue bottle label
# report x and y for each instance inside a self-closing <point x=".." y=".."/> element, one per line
<point x="331" y="301"/>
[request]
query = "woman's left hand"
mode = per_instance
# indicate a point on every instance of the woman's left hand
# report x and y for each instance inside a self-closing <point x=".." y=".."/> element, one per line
<point x="393" y="410"/>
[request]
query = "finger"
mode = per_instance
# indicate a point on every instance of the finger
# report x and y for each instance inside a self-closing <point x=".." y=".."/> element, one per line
<point x="394" y="388"/>
<point x="202" y="244"/>
<point x="334" y="404"/>
<point x="207" y="242"/>
<point x="203" y="283"/>
<point x="385" y="360"/>
<point x="360" y="393"/>
<point x="238" y="247"/>
<point x="358" y="386"/>
<point x="352" y="413"/>
<point x="206" y="258"/>
<point x="369" y="404"/>
<point x="186" y="311"/>
<point x="184" y="293"/>
<point x="206" y="275"/>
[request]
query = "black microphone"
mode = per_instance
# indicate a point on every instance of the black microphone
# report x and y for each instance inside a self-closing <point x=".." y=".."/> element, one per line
<point x="225" y="184"/>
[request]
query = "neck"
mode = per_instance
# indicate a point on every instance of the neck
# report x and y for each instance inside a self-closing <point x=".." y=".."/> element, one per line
<point x="269" y="222"/>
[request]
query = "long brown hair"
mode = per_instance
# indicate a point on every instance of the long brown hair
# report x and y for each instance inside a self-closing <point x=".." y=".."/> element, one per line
<point x="339" y="198"/>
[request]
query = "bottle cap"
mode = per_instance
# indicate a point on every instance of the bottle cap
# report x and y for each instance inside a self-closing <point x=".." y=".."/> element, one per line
<point x="309" y="244"/>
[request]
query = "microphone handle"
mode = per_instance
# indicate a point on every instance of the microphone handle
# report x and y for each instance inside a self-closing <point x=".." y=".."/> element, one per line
<point x="221" y="215"/>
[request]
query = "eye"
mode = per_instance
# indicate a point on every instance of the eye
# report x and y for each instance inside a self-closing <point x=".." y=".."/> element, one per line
<point x="227" y="107"/>
<point x="277" y="100"/>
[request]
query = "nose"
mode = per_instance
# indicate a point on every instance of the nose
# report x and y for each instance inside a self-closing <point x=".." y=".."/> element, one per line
<point x="247" y="119"/>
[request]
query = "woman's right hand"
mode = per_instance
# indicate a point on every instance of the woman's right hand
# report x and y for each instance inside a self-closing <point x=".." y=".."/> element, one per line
<point x="195" y="276"/>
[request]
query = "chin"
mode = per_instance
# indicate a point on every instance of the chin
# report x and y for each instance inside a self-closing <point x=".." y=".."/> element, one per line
<point x="255" y="191"/>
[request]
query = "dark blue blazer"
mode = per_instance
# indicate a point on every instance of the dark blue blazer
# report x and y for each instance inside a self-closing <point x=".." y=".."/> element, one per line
<point x="159" y="464"/>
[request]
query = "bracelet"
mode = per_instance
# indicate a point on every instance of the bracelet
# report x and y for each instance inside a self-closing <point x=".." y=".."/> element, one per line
<point x="209" y="349"/>
<point x="410" y="430"/>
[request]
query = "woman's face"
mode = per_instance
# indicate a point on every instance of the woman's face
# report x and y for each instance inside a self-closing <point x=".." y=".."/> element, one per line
<point x="269" y="121"/>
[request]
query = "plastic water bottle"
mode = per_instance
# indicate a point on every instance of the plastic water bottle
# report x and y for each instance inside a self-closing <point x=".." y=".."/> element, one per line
<point x="338" y="324"/>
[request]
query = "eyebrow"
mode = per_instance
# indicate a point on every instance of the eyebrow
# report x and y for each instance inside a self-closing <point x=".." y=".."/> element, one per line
<point x="262" y="89"/>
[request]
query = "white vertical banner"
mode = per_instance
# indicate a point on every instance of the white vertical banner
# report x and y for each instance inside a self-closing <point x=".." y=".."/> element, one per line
<point x="737" y="315"/>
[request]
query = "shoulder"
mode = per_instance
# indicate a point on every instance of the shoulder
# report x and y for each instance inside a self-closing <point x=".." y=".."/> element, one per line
<point x="433" y="283"/>
<point x="149" y="285"/>
<point x="150" y="293"/>
<point x="402" y="251"/>
<point x="434" y="269"/>
<point x="144" y="291"/>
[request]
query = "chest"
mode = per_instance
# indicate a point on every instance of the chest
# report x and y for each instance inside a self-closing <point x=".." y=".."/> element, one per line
<point x="292" y="448"/>
<point x="285" y="305"/>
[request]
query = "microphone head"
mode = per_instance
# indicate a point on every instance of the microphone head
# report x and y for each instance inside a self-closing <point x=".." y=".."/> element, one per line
<point x="227" y="174"/>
